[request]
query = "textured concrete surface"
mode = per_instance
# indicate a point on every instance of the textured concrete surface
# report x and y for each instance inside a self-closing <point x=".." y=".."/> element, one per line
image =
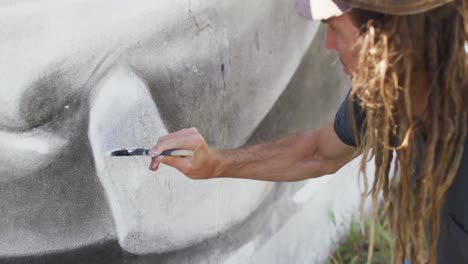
<point x="80" y="78"/>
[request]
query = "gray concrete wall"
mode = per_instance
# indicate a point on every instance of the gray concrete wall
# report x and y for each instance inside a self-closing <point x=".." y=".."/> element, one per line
<point x="80" y="78"/>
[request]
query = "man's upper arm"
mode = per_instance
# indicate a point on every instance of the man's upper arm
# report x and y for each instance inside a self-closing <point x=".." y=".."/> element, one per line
<point x="331" y="148"/>
<point x="338" y="140"/>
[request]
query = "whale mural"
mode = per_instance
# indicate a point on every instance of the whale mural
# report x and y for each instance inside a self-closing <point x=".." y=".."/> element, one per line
<point x="81" y="78"/>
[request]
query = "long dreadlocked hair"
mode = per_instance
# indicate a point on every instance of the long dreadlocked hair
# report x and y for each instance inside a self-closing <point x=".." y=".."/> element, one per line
<point x="398" y="53"/>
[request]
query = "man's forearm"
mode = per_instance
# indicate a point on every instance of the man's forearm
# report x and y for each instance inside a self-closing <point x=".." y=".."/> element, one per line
<point x="293" y="158"/>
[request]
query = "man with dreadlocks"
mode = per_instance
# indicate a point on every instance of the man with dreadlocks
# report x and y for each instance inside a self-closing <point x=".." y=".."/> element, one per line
<point x="407" y="62"/>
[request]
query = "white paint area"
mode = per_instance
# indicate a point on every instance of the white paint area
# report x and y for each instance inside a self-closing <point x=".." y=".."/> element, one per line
<point x="162" y="211"/>
<point x="29" y="151"/>
<point x="23" y="143"/>
<point x="310" y="189"/>
<point x="243" y="254"/>
<point x="323" y="210"/>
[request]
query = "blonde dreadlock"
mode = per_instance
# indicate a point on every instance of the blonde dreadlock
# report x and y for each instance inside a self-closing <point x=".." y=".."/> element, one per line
<point x="397" y="54"/>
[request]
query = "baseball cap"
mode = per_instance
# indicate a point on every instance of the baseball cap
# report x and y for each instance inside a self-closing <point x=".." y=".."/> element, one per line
<point x="324" y="9"/>
<point x="321" y="9"/>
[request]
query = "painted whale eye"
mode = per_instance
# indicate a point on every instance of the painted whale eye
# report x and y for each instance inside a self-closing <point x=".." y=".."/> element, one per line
<point x="46" y="100"/>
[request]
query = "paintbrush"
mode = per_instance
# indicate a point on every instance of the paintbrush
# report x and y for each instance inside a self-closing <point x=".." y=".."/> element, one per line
<point x="144" y="152"/>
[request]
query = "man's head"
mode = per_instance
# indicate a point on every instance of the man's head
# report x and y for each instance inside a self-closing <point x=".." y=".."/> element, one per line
<point x="345" y="18"/>
<point x="387" y="47"/>
<point x="342" y="33"/>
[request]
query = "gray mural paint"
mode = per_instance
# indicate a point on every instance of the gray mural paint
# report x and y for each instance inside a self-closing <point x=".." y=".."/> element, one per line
<point x="81" y="78"/>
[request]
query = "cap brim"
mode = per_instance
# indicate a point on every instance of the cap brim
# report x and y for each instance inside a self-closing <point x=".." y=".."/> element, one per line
<point x="321" y="9"/>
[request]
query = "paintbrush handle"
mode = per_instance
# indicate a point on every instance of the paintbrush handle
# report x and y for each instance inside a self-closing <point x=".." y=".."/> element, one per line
<point x="177" y="152"/>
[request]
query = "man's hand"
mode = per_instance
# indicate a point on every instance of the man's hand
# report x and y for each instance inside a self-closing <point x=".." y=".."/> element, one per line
<point x="202" y="165"/>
